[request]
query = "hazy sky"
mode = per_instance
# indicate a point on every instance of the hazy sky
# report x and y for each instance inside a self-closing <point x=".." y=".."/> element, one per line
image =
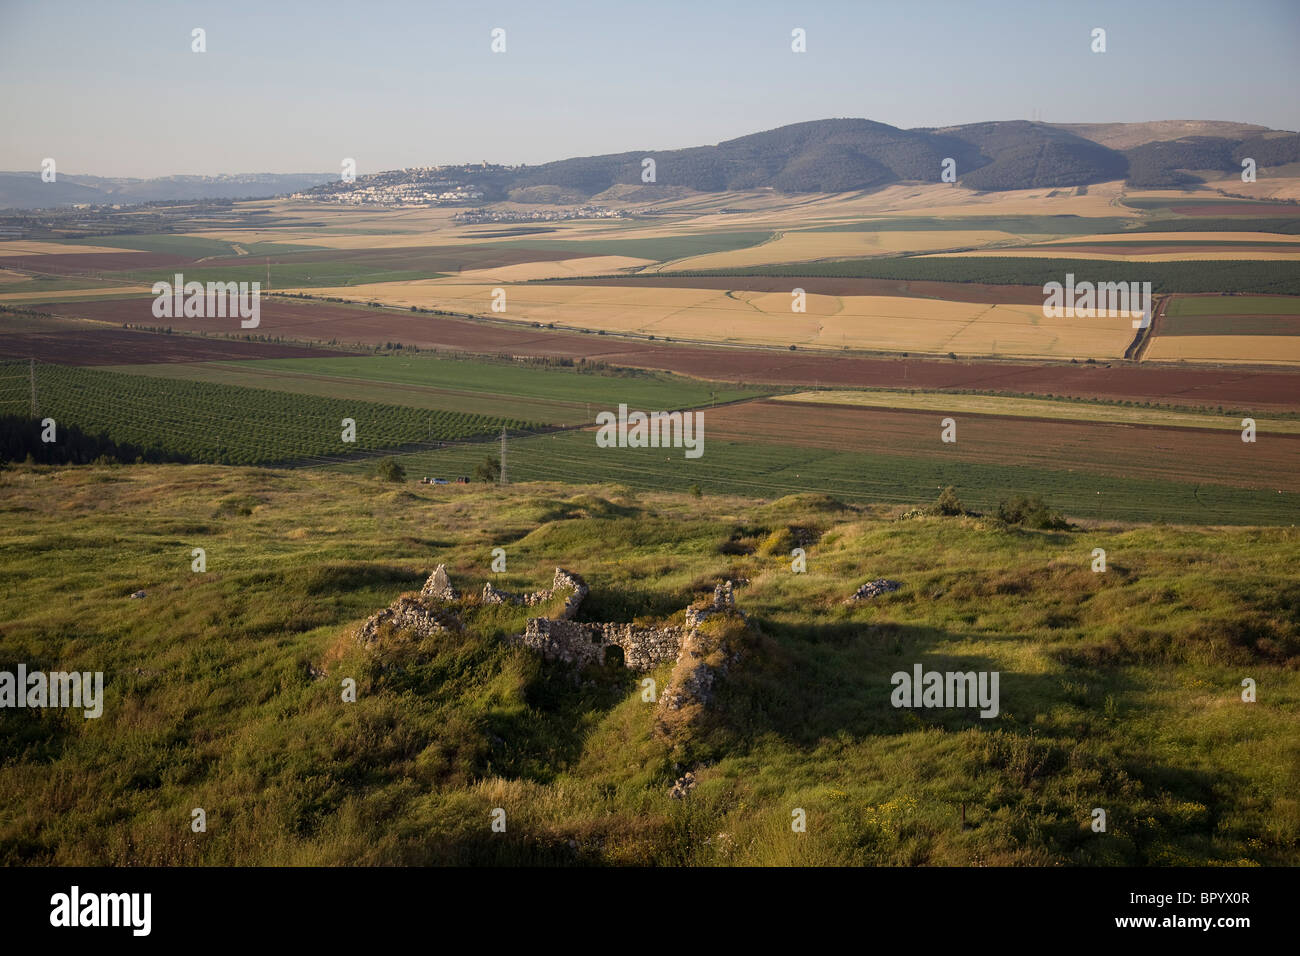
<point x="111" y="87"/>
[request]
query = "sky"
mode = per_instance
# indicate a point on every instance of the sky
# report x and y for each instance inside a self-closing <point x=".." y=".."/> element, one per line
<point x="113" y="88"/>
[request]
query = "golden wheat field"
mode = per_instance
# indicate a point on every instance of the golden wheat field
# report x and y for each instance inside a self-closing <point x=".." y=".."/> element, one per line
<point x="887" y="323"/>
<point x="35" y="247"/>
<point x="1252" y="349"/>
<point x="1033" y="408"/>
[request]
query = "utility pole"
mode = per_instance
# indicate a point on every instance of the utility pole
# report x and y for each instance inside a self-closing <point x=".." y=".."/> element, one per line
<point x="503" y="456"/>
<point x="32" y="367"/>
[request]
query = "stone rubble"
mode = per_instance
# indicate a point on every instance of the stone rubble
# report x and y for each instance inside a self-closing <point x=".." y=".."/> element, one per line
<point x="874" y="589"/>
<point x="684" y="785"/>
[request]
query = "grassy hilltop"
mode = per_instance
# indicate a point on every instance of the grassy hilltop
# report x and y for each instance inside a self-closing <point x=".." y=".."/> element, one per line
<point x="1118" y="690"/>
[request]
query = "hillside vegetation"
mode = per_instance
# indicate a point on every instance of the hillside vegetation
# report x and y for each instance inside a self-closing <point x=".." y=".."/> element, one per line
<point x="1119" y="690"/>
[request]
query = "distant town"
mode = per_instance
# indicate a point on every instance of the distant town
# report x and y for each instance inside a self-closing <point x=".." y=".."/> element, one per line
<point x="418" y="186"/>
<point x="481" y="215"/>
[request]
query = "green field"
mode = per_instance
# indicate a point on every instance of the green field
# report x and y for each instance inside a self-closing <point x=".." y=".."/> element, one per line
<point x="207" y="422"/>
<point x="1233" y="305"/>
<point x="1028" y="225"/>
<point x="197" y="247"/>
<point x="1245" y="275"/>
<point x="660" y="249"/>
<point x="770" y="470"/>
<point x="57" y="284"/>
<point x="1119" y="690"/>
<point x="194" y="246"/>
<point x="1282" y="226"/>
<point x="512" y="390"/>
<point x="285" y="274"/>
<point x="1173" y="204"/>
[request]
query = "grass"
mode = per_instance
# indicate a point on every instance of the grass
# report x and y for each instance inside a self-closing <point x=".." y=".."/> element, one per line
<point x="773" y="469"/>
<point x="1118" y="690"/>
<point x="502" y="388"/>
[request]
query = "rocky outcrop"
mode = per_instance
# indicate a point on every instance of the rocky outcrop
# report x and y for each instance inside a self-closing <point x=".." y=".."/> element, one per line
<point x="410" y="614"/>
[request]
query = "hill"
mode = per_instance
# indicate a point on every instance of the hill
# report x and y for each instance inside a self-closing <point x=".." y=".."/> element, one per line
<point x="844" y="155"/>
<point x="26" y="190"/>
<point x="222" y="686"/>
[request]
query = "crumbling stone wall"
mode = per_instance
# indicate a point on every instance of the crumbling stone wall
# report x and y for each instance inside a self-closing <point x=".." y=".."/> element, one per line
<point x="643" y="647"/>
<point x="562" y="582"/>
<point x="407" y="614"/>
<point x="724" y="600"/>
<point x="579" y="643"/>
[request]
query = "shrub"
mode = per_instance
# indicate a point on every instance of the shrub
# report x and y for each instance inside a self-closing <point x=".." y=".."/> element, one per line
<point x="1031" y="512"/>
<point x="779" y="542"/>
<point x="389" y="469"/>
<point x="948" y="503"/>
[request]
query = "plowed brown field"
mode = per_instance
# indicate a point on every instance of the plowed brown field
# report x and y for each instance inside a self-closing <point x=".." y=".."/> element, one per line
<point x="1231" y="387"/>
<point x="1132" y="451"/>
<point x="129" y="347"/>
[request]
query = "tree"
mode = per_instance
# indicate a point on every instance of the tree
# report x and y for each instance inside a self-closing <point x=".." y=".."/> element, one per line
<point x="389" y="469"/>
<point x="489" y="470"/>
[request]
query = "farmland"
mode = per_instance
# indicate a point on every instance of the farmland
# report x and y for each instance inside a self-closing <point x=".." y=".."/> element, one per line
<point x="878" y="323"/>
<point x="331" y="323"/>
<point x="1143" y="459"/>
<point x="1036" y="408"/>
<point x="207" y="422"/>
<point x="1238" y="275"/>
<point x="554" y="396"/>
<point x="756" y="454"/>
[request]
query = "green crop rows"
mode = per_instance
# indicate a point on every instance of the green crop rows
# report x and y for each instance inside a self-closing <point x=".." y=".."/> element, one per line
<point x="224" y="424"/>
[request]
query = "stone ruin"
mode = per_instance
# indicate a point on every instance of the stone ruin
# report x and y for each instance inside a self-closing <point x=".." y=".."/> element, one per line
<point x="724" y="600"/>
<point x="407" y="614"/>
<point x="700" y="659"/>
<point x="563" y="581"/>
<point x="639" y="647"/>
